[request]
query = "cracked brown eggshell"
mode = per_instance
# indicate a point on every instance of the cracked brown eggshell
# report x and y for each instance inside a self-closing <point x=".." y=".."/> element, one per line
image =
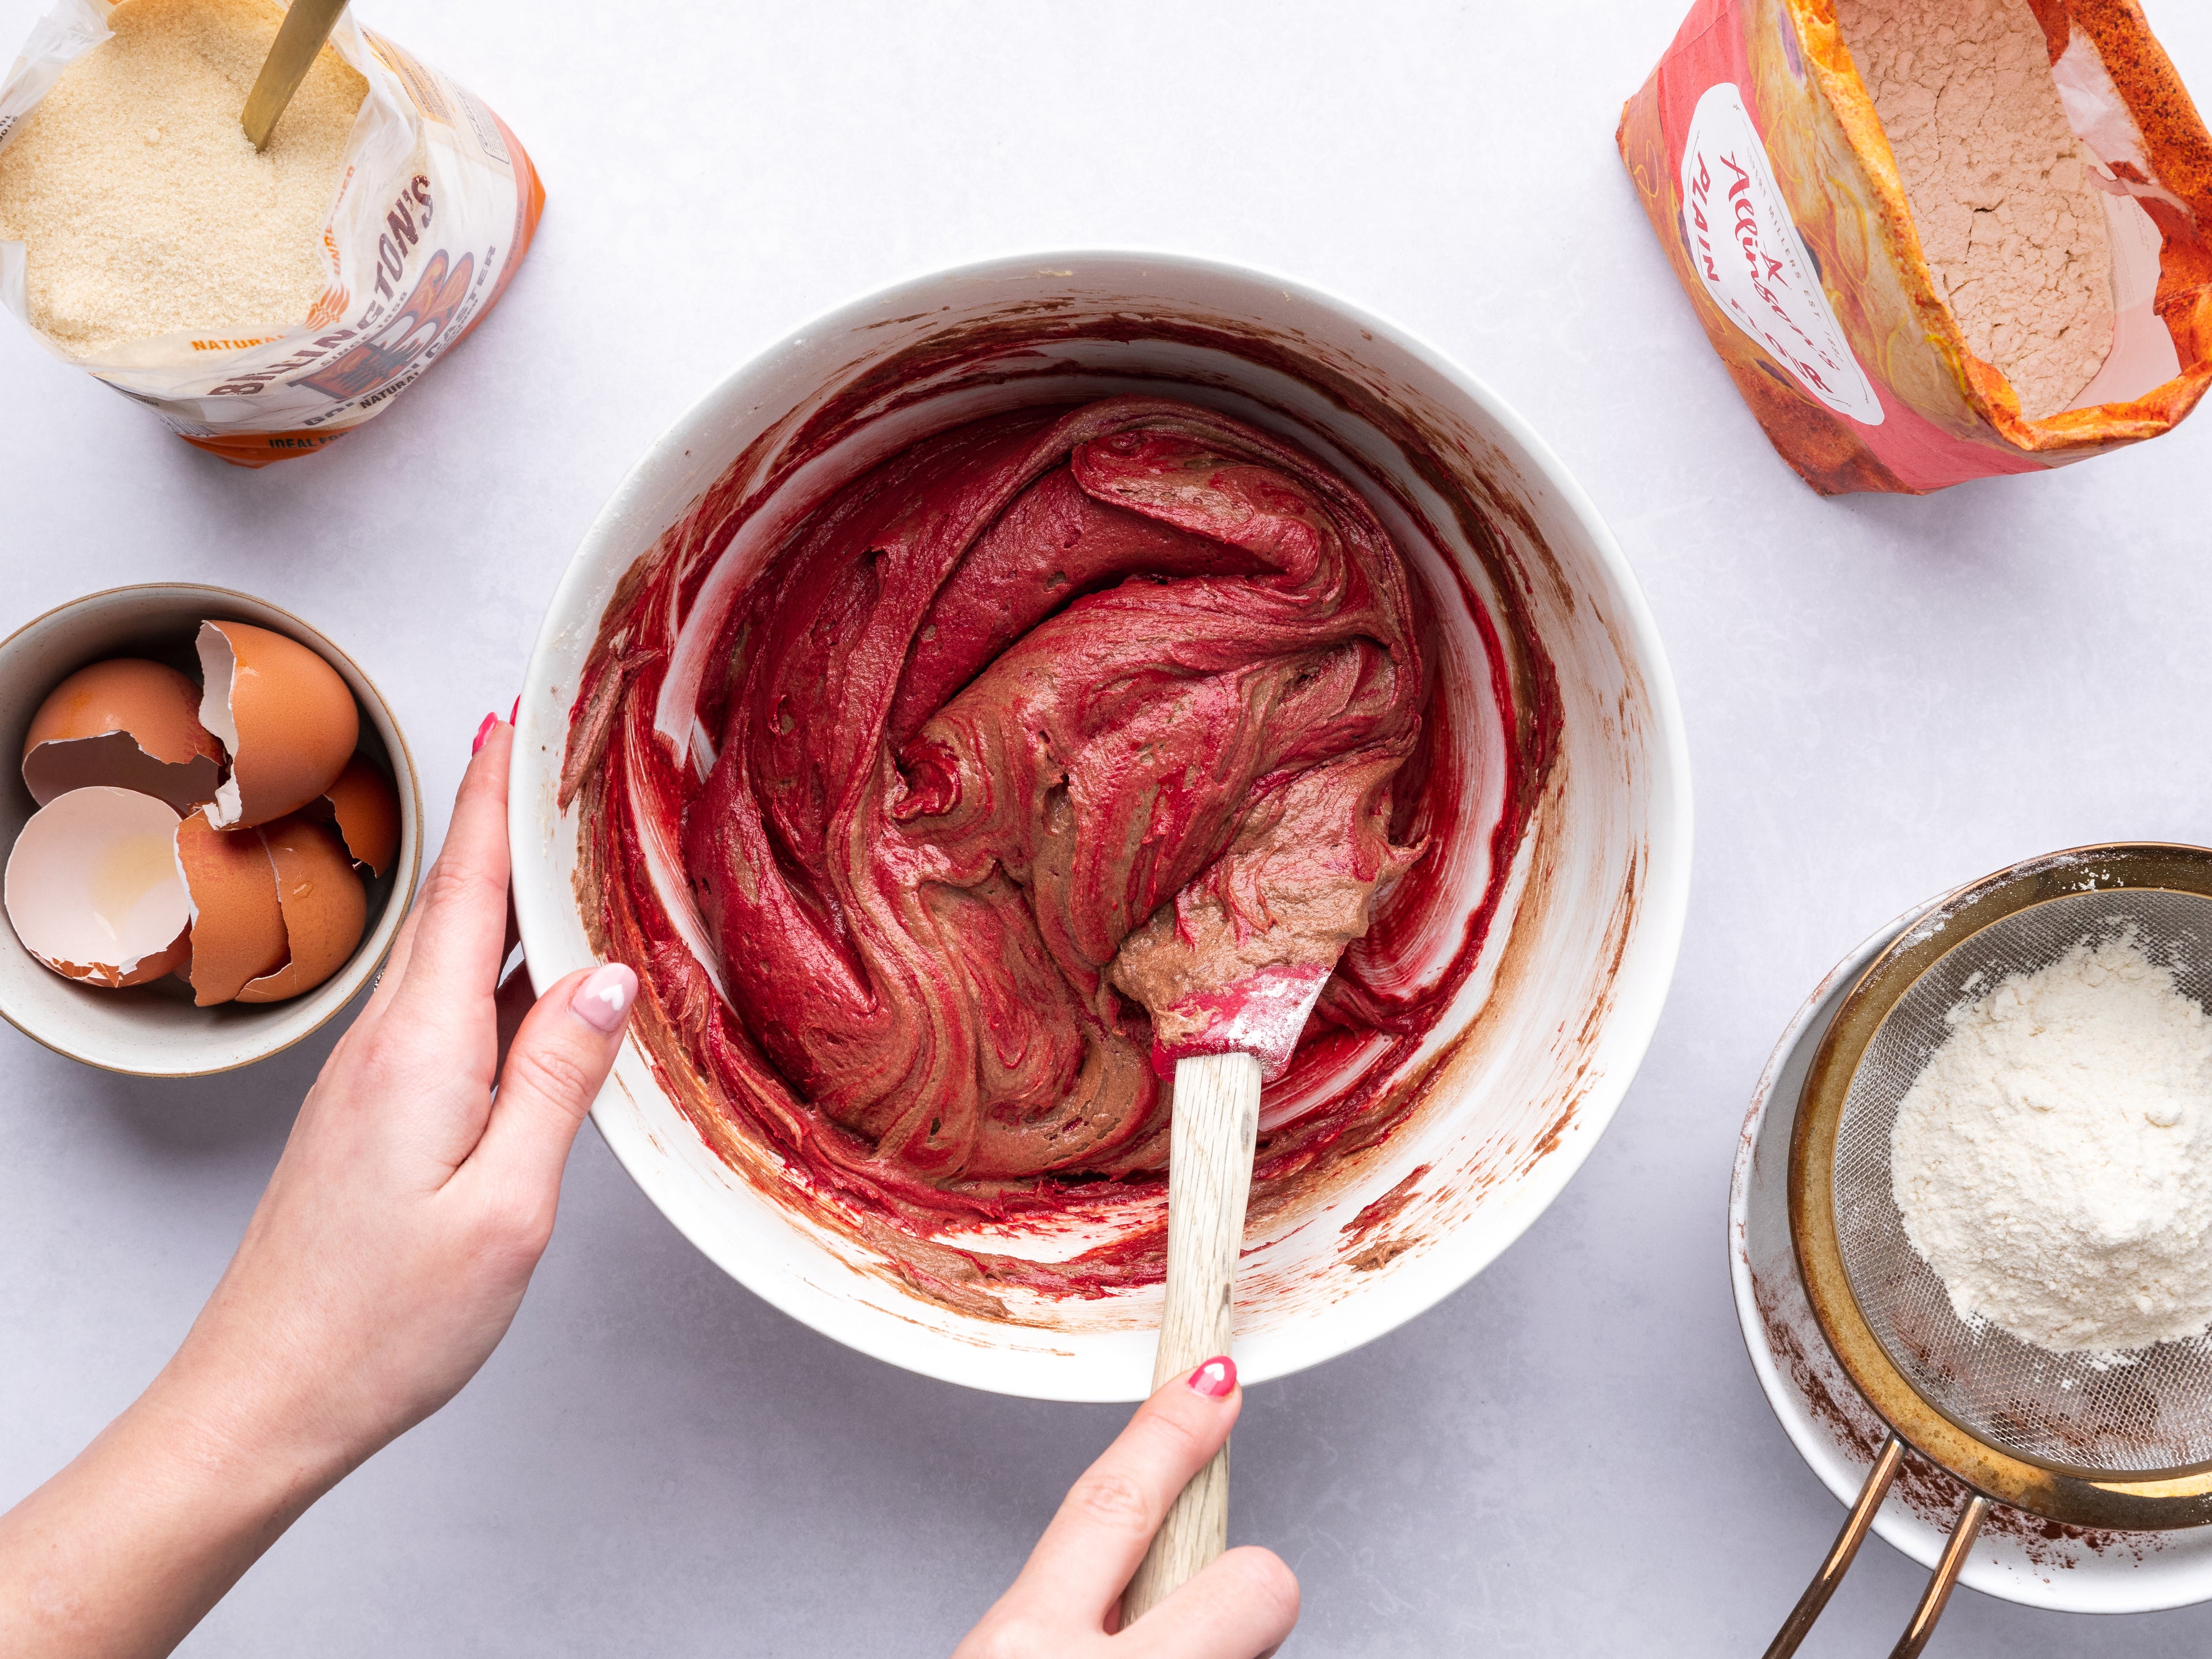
<point x="238" y="926"/>
<point x="127" y="723"/>
<point x="287" y="718"/>
<point x="93" y="888"/>
<point x="366" y="808"/>
<point x="324" y="904"/>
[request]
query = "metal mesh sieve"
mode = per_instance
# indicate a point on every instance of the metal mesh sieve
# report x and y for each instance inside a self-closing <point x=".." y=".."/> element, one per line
<point x="2119" y="1442"/>
<point x="2143" y="1413"/>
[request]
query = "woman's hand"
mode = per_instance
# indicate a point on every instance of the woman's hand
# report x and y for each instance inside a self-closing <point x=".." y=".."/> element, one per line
<point x="411" y="1206"/>
<point x="1066" y="1603"/>
<point x="381" y="1267"/>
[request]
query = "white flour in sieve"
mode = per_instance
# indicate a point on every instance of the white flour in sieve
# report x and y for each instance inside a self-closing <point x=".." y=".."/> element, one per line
<point x="2053" y="1160"/>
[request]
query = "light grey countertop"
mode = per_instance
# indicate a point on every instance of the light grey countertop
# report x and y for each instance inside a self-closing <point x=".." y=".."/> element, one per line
<point x="1885" y="696"/>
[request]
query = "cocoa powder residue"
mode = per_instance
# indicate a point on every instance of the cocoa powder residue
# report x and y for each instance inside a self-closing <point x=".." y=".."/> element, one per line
<point x="1927" y="1491"/>
<point x="1381" y="1213"/>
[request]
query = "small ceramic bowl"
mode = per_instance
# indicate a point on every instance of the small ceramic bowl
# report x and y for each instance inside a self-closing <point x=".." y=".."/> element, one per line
<point x="153" y="1030"/>
<point x="2015" y="1557"/>
<point x="1523" y="1071"/>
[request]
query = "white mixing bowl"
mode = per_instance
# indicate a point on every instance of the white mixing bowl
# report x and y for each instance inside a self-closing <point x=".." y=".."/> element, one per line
<point x="1529" y="1063"/>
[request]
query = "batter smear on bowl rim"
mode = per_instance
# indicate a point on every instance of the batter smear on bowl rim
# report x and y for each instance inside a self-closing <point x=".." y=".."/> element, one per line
<point x="1031" y="724"/>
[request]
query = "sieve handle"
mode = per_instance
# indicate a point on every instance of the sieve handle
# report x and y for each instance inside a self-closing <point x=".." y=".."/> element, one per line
<point x="1839" y="1558"/>
<point x="1947" y="1574"/>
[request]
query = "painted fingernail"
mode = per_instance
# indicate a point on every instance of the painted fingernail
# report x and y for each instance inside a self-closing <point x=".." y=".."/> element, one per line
<point x="483" y="732"/>
<point x="1216" y="1379"/>
<point x="603" y="1001"/>
<point x="517" y="714"/>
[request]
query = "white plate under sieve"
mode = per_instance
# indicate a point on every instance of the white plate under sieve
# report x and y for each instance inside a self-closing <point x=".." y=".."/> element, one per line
<point x="2142" y="1413"/>
<point x="1839" y="1434"/>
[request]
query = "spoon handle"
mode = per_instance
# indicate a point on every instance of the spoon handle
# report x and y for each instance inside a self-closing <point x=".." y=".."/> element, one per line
<point x="307" y="25"/>
<point x="1217" y="1122"/>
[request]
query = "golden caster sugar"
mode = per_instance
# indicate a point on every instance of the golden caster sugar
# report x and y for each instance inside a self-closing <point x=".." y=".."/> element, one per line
<point x="261" y="303"/>
<point x="143" y="207"/>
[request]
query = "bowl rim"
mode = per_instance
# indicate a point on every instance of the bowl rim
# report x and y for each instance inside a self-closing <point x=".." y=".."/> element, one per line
<point x="1630" y="1024"/>
<point x="365" y="965"/>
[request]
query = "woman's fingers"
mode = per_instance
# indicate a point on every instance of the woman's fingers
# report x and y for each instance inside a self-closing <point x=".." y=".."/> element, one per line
<point x="1240" y="1605"/>
<point x="561" y="1056"/>
<point x="511" y="1005"/>
<point x="1094" y="1543"/>
<point x="389" y="976"/>
<point x="402" y="943"/>
<point x="452" y="959"/>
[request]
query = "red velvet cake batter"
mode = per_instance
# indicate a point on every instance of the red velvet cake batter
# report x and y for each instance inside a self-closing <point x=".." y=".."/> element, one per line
<point x="1041" y="722"/>
<point x="997" y="702"/>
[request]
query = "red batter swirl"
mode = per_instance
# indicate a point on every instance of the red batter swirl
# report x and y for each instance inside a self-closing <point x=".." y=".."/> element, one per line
<point x="977" y="715"/>
<point x="994" y="704"/>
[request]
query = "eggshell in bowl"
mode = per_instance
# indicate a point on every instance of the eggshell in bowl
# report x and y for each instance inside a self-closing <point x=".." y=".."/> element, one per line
<point x="286" y="717"/>
<point x="238" y="926"/>
<point x="125" y="722"/>
<point x="325" y="907"/>
<point x="93" y="889"/>
<point x="366" y="808"/>
<point x="154" y="1029"/>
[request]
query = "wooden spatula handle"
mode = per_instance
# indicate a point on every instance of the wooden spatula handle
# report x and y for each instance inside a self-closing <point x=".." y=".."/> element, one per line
<point x="1217" y="1121"/>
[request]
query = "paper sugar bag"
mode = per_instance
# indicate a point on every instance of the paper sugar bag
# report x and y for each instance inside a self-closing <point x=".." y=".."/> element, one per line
<point x="433" y="209"/>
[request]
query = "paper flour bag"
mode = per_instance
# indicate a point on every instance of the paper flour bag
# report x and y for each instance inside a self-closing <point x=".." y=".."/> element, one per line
<point x="1934" y="240"/>
<point x="433" y="205"/>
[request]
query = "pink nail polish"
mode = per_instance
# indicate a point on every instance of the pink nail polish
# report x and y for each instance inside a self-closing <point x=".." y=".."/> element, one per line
<point x="603" y="1001"/>
<point x="517" y="714"/>
<point x="1217" y="1378"/>
<point x="483" y="732"/>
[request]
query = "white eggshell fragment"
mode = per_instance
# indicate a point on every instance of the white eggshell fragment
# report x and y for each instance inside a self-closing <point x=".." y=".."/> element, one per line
<point x="93" y="888"/>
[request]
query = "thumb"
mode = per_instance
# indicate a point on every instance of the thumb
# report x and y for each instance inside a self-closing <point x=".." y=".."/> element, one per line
<point x="562" y="1054"/>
